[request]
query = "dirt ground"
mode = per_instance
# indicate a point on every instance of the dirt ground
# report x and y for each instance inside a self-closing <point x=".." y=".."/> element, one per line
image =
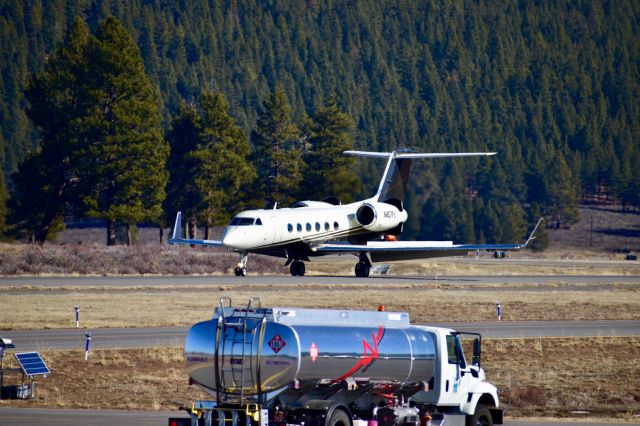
<point x="535" y="377"/>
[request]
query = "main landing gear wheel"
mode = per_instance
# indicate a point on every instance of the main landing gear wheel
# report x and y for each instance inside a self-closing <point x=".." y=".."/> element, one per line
<point x="362" y="270"/>
<point x="240" y="272"/>
<point x="363" y="267"/>
<point x="297" y="268"/>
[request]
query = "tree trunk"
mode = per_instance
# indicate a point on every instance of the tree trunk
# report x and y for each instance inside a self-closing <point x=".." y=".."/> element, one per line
<point x="206" y="231"/>
<point x="40" y="234"/>
<point x="161" y="229"/>
<point x="111" y="232"/>
<point x="191" y="229"/>
<point x="51" y="211"/>
<point x="128" y="234"/>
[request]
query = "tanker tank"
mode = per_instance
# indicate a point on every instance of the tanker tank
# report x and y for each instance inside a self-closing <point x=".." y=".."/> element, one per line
<point x="265" y="349"/>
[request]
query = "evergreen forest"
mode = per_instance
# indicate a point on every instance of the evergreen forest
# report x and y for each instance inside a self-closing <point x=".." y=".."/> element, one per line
<point x="236" y="103"/>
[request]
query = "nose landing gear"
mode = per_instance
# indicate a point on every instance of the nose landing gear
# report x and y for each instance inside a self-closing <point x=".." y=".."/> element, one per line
<point x="241" y="269"/>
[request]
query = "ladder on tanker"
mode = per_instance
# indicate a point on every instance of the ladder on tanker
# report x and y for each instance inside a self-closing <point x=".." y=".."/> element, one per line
<point x="234" y="350"/>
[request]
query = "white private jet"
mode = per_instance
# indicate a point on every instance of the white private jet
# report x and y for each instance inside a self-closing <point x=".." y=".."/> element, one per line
<point x="317" y="228"/>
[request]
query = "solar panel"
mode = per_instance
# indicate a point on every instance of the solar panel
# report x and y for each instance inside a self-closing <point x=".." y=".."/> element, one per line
<point x="32" y="363"/>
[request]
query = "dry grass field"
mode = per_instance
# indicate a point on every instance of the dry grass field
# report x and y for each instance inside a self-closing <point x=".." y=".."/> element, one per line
<point x="40" y="307"/>
<point x="551" y="377"/>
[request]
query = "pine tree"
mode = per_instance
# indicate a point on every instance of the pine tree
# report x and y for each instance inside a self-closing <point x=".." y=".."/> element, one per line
<point x="209" y="166"/>
<point x="277" y="154"/>
<point x="183" y="137"/>
<point x="123" y="152"/>
<point x="32" y="199"/>
<point x="4" y="198"/>
<point x="55" y="105"/>
<point x="329" y="171"/>
<point x="223" y="170"/>
<point x="561" y="192"/>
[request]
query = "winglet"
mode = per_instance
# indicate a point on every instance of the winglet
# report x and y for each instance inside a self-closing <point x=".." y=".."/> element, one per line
<point x="532" y="236"/>
<point x="177" y="228"/>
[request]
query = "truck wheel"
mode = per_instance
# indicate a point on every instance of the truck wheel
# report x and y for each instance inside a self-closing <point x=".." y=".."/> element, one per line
<point x="482" y="417"/>
<point x="338" y="418"/>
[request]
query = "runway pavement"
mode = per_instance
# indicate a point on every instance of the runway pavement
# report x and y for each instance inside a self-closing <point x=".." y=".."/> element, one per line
<point x="111" y="338"/>
<point x="57" y="417"/>
<point x="558" y="282"/>
<point x="10" y="416"/>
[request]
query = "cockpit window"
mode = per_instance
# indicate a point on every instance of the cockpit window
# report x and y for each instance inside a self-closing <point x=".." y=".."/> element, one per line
<point x="243" y="221"/>
<point x="258" y="221"/>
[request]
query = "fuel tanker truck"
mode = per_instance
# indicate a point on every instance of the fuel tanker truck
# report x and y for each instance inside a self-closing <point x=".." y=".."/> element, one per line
<point x="322" y="367"/>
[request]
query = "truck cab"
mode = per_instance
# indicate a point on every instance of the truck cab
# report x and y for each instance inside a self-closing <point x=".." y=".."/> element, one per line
<point x="459" y="390"/>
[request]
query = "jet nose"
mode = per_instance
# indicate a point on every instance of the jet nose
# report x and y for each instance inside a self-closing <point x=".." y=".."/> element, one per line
<point x="230" y="238"/>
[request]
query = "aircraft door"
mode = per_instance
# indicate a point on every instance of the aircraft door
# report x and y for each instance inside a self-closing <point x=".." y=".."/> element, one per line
<point x="276" y="230"/>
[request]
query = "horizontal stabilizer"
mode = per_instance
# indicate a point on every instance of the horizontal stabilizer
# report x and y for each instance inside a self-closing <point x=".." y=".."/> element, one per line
<point x="414" y="155"/>
<point x="394" y="180"/>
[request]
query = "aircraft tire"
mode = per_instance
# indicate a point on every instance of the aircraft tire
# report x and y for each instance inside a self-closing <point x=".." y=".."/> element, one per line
<point x="294" y="268"/>
<point x="240" y="272"/>
<point x="362" y="270"/>
<point x="297" y="268"/>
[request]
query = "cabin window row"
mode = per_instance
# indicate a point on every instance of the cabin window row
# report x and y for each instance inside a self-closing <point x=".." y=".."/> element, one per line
<point x="308" y="227"/>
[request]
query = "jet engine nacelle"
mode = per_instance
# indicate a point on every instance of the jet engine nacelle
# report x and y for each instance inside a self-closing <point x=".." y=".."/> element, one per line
<point x="379" y="217"/>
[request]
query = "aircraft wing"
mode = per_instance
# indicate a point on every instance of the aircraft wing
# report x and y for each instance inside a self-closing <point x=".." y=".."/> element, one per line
<point x="382" y="251"/>
<point x="177" y="237"/>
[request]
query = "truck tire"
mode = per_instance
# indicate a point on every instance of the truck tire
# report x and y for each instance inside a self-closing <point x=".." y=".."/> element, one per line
<point x="482" y="417"/>
<point x="338" y="418"/>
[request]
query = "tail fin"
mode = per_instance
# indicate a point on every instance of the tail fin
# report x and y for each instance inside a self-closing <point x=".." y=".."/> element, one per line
<point x="396" y="175"/>
<point x="177" y="228"/>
